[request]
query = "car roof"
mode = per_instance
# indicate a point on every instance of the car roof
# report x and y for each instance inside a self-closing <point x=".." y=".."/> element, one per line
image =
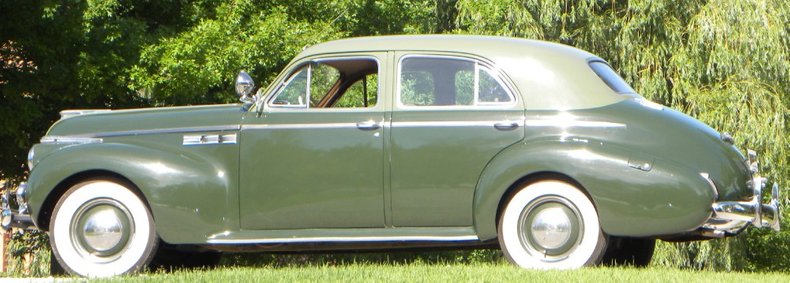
<point x="473" y="44"/>
<point x="549" y="76"/>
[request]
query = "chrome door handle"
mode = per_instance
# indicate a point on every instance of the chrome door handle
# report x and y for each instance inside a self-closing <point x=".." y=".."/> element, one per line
<point x="506" y="125"/>
<point x="368" y="126"/>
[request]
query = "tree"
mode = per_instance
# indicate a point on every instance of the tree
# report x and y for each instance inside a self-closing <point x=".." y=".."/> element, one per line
<point x="723" y="62"/>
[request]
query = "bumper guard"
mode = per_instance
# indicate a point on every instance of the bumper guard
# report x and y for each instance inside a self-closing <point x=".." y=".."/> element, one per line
<point x="731" y="217"/>
<point x="15" y="218"/>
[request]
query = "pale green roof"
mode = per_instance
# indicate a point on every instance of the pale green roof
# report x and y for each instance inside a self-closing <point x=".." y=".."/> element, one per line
<point x="548" y="75"/>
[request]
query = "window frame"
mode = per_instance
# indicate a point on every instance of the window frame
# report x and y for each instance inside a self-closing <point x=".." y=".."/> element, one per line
<point x="495" y="72"/>
<point x="307" y="62"/>
<point x="608" y="82"/>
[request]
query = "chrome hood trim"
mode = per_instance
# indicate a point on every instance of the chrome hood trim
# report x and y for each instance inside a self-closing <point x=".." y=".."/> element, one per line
<point x="77" y="112"/>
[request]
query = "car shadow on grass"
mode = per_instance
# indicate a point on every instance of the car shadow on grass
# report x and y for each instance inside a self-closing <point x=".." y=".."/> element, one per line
<point x="283" y="260"/>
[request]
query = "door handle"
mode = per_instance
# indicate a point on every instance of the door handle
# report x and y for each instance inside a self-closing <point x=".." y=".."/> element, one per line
<point x="506" y="125"/>
<point x="368" y="126"/>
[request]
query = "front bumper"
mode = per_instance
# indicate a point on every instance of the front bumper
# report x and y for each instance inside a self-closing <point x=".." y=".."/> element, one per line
<point x="15" y="218"/>
<point x="732" y="217"/>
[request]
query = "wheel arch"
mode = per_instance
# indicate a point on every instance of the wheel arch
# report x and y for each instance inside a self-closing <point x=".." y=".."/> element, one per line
<point x="515" y="167"/>
<point x="533" y="178"/>
<point x="47" y="207"/>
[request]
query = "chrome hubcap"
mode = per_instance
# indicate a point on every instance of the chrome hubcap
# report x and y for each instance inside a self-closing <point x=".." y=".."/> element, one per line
<point x="101" y="229"/>
<point x="550" y="227"/>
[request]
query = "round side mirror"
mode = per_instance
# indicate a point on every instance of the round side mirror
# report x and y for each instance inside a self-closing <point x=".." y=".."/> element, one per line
<point x="244" y="87"/>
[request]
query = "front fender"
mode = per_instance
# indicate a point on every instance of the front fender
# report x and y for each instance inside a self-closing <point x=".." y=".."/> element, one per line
<point x="667" y="199"/>
<point x="191" y="195"/>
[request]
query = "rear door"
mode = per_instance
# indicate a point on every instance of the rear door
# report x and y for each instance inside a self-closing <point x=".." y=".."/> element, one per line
<point x="451" y="116"/>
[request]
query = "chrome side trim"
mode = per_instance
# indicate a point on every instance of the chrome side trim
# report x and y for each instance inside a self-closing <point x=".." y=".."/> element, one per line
<point x="418" y="124"/>
<point x="209" y="139"/>
<point x="171" y="131"/>
<point x="564" y="123"/>
<point x="88" y="136"/>
<point x="299" y="126"/>
<point x="394" y="124"/>
<point x="69" y="140"/>
<point x="345" y="239"/>
<point x="78" y="112"/>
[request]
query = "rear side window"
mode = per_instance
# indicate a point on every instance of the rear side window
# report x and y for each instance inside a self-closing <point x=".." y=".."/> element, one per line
<point x="445" y="81"/>
<point x="610" y="77"/>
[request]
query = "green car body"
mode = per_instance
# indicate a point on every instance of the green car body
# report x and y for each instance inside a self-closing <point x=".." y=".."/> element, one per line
<point x="267" y="173"/>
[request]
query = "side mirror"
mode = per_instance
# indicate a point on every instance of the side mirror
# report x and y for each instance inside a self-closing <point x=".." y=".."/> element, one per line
<point x="244" y="87"/>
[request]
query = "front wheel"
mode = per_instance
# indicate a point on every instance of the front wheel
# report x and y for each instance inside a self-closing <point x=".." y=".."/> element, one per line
<point x="551" y="225"/>
<point x="102" y="228"/>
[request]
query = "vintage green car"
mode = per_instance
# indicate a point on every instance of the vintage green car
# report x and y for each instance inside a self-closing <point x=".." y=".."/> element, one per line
<point x="392" y="142"/>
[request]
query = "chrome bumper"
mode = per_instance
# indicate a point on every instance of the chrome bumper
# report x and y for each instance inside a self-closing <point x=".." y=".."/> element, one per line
<point x="15" y="218"/>
<point x="731" y="217"/>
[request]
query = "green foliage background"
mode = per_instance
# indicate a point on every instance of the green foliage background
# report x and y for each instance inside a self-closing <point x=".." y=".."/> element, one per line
<point x="724" y="62"/>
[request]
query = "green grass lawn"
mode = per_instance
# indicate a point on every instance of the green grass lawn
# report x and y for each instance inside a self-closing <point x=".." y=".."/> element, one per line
<point x="459" y="266"/>
<point x="450" y="266"/>
<point x="450" y="272"/>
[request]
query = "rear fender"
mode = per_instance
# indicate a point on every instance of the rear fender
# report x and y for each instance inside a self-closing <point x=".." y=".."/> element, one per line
<point x="667" y="199"/>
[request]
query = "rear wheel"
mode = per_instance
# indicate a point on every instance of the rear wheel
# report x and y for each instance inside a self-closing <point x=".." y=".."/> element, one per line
<point x="551" y="225"/>
<point x="102" y="228"/>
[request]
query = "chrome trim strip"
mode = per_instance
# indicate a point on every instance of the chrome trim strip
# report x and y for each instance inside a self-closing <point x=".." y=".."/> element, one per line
<point x="394" y="124"/>
<point x="563" y="123"/>
<point x="345" y="239"/>
<point x="171" y="131"/>
<point x="78" y="112"/>
<point x="68" y="140"/>
<point x="299" y="126"/>
<point x="222" y="128"/>
<point x="209" y="139"/>
<point x="416" y="124"/>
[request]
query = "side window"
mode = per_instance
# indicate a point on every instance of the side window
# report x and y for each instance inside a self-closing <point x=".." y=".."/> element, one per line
<point x="294" y="93"/>
<point x="331" y="83"/>
<point x="490" y="90"/>
<point x="322" y="79"/>
<point x="362" y="93"/>
<point x="426" y="81"/>
<point x="417" y="87"/>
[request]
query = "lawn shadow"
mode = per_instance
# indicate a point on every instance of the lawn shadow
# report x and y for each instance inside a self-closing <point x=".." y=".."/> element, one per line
<point x="280" y="260"/>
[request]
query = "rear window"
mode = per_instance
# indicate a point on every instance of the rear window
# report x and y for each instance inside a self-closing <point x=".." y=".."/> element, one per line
<point x="612" y="79"/>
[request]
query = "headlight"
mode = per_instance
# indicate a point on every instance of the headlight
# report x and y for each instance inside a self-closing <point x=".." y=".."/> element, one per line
<point x="30" y="156"/>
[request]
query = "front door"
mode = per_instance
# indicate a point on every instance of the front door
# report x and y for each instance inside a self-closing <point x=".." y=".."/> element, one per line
<point x="314" y="159"/>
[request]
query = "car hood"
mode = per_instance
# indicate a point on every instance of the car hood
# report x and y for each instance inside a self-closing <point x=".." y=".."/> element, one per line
<point x="96" y="123"/>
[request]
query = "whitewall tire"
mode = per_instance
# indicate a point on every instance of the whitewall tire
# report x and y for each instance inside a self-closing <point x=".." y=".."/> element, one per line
<point x="101" y="228"/>
<point x="551" y="225"/>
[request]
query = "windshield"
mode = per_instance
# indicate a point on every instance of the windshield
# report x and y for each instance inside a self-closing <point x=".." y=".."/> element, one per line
<point x="610" y="77"/>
